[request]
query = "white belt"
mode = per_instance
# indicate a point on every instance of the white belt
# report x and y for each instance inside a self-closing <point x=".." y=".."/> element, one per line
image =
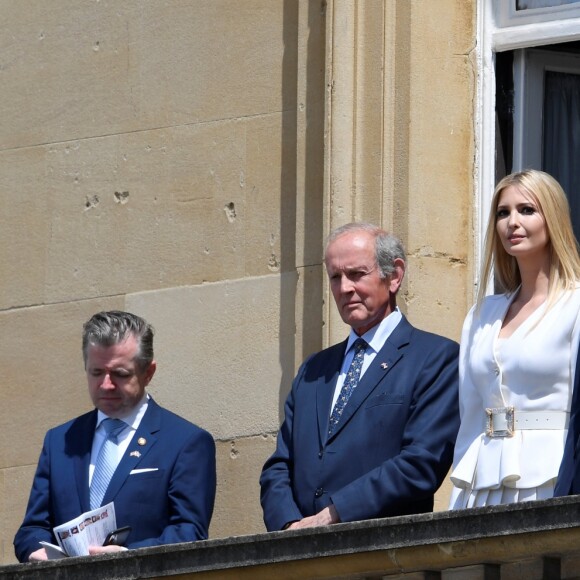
<point x="504" y="421"/>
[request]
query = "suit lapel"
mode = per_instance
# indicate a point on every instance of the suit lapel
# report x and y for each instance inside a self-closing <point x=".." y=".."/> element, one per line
<point x="382" y="365"/>
<point x="143" y="441"/>
<point x="325" y="388"/>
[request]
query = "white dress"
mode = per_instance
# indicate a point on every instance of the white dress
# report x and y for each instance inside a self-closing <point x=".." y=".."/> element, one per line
<point x="532" y="370"/>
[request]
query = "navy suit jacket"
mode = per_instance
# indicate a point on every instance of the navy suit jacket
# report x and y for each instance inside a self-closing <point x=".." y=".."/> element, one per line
<point x="172" y="504"/>
<point x="568" y="482"/>
<point x="394" y="443"/>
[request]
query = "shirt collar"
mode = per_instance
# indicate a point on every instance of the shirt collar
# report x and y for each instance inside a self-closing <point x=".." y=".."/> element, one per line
<point x="133" y="418"/>
<point x="378" y="334"/>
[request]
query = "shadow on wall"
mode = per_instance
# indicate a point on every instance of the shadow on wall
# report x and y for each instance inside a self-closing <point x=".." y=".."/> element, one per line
<point x="302" y="139"/>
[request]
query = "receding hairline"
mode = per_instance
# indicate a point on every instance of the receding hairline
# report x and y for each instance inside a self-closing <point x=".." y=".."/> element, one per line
<point x="354" y="228"/>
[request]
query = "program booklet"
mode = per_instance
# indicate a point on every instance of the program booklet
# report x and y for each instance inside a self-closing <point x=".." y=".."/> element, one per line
<point x="88" y="529"/>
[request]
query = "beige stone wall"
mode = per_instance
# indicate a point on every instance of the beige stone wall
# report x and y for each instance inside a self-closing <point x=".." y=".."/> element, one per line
<point x="155" y="156"/>
<point x="184" y="160"/>
<point x="400" y="147"/>
<point x="402" y="140"/>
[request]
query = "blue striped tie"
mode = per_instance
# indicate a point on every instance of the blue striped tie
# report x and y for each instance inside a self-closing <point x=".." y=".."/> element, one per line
<point x="106" y="461"/>
<point x="350" y="383"/>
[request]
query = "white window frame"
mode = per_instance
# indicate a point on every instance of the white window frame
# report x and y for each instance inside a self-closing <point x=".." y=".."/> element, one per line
<point x="529" y="68"/>
<point x="494" y="36"/>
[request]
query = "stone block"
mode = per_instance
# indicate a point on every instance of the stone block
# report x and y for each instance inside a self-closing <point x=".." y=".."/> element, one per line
<point x="146" y="210"/>
<point x="218" y="349"/>
<point x="434" y="295"/>
<point x="441" y="107"/>
<point x="532" y="569"/>
<point x="570" y="565"/>
<point x="44" y="383"/>
<point x="95" y="68"/>
<point x="25" y="228"/>
<point x="239" y="464"/>
<point x="15" y="486"/>
<point x="309" y="308"/>
<point x="477" y="572"/>
<point x="442" y="496"/>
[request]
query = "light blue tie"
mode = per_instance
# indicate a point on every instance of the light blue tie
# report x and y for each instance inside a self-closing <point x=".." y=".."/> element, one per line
<point x="350" y="383"/>
<point x="106" y="461"/>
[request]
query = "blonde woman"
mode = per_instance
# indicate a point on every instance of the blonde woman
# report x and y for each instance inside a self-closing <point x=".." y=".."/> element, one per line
<point x="518" y="349"/>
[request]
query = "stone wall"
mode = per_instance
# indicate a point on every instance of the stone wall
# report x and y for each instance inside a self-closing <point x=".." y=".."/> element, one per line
<point x="184" y="160"/>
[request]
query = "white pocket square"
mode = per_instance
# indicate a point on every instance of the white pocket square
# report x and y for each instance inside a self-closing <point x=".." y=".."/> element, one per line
<point x="135" y="471"/>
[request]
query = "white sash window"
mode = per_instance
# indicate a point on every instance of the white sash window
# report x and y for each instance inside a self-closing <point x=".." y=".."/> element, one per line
<point x="529" y="95"/>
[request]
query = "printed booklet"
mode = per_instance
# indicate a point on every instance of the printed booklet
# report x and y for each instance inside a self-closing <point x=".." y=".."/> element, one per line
<point x="88" y="529"/>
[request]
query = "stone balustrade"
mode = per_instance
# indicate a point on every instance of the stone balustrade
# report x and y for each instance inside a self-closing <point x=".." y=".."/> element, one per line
<point x="535" y="540"/>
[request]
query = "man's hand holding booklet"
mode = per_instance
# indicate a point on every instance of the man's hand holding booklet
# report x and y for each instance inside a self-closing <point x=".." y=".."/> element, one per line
<point x="94" y="528"/>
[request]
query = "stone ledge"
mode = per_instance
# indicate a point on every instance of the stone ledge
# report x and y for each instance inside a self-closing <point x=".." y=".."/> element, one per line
<point x="434" y="542"/>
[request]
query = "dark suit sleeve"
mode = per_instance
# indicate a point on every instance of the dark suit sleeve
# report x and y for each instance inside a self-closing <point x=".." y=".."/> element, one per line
<point x="37" y="524"/>
<point x="418" y="470"/>
<point x="276" y="496"/>
<point x="191" y="493"/>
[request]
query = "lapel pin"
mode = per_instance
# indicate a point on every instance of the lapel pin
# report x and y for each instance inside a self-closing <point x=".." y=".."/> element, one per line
<point x="141" y="441"/>
<point x="135" y="454"/>
<point x="384" y="366"/>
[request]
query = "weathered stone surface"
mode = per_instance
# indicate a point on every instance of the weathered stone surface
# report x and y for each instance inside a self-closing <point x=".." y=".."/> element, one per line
<point x="218" y="351"/>
<point x="426" y="297"/>
<point x="93" y="69"/>
<point x="146" y="210"/>
<point x="173" y="159"/>
<point x="14" y="492"/>
<point x="43" y="385"/>
<point x="239" y="464"/>
<point x="440" y="174"/>
<point x="43" y="382"/>
<point x="538" y="568"/>
<point x="442" y="496"/>
<point x="463" y="544"/>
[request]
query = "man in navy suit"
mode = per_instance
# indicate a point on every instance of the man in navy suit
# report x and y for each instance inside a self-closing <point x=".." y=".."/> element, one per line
<point x="164" y="483"/>
<point x="384" y="448"/>
<point x="568" y="482"/>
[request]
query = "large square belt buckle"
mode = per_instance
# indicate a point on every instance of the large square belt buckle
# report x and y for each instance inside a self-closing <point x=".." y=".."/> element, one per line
<point x="500" y="421"/>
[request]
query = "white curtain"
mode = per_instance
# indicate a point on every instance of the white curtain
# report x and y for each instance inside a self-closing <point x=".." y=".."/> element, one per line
<point x="561" y="143"/>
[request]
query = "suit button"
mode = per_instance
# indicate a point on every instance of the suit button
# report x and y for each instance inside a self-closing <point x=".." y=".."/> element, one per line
<point x="318" y="492"/>
<point x="320" y="455"/>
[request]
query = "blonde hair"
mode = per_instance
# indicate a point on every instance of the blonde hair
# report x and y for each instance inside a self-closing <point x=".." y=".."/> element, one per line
<point x="552" y="203"/>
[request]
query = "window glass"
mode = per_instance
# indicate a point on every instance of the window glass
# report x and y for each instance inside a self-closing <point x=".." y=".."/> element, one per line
<point x="518" y="12"/>
<point x="531" y="4"/>
<point x="561" y="139"/>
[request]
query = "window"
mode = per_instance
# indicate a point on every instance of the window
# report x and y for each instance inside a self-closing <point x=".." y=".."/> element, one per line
<point x="544" y="105"/>
<point x="519" y="87"/>
<point x="518" y="12"/>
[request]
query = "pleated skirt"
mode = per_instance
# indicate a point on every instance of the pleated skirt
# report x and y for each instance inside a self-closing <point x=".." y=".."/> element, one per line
<point x="470" y="498"/>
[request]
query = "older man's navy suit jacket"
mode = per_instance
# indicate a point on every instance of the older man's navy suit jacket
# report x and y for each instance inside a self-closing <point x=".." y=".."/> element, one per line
<point x="394" y="443"/>
<point x="171" y="504"/>
<point x="568" y="482"/>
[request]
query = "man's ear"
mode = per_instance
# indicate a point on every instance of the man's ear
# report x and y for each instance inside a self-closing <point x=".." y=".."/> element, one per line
<point x="150" y="372"/>
<point x="396" y="277"/>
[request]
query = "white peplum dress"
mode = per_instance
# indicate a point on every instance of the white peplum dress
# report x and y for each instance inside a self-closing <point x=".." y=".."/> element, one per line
<point x="532" y="370"/>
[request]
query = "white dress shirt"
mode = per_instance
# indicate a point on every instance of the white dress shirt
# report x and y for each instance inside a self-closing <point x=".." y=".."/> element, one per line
<point x="375" y="338"/>
<point x="133" y="420"/>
